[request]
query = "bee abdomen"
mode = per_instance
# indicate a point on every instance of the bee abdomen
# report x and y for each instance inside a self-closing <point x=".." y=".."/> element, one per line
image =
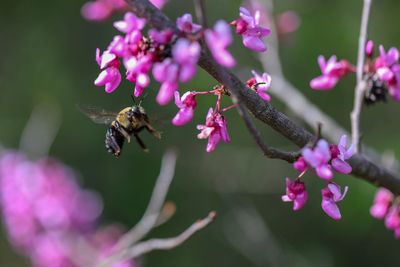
<point x="114" y="141"/>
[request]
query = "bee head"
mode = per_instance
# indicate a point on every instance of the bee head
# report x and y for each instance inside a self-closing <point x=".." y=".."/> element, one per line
<point x="138" y="110"/>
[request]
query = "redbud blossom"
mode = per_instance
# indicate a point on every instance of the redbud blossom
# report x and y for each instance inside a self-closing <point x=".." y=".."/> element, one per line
<point x="181" y="67"/>
<point x="340" y="154"/>
<point x="392" y="220"/>
<point x="319" y="158"/>
<point x="332" y="70"/>
<point x="110" y="77"/>
<point x="382" y="202"/>
<point x="300" y="164"/>
<point x="369" y="48"/>
<point x="47" y="214"/>
<point x="215" y="129"/>
<point x="330" y="196"/>
<point x="296" y="193"/>
<point x="218" y="39"/>
<point x="186" y="106"/>
<point x="101" y="9"/>
<point x="263" y="83"/>
<point x="185" y="24"/>
<point x="130" y="23"/>
<point x="248" y="26"/>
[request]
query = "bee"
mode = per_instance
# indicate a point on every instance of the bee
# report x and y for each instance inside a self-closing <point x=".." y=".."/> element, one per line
<point x="122" y="125"/>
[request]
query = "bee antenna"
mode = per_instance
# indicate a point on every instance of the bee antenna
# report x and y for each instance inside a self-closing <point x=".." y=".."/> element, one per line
<point x="133" y="99"/>
<point x="141" y="100"/>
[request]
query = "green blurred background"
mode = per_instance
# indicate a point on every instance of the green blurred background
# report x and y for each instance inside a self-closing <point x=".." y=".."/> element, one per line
<point x="48" y="59"/>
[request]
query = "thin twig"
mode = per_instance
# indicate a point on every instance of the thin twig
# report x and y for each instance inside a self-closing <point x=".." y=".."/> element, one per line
<point x="362" y="167"/>
<point x="242" y="110"/>
<point x="152" y="214"/>
<point x="200" y="8"/>
<point x="361" y="83"/>
<point x="168" y="243"/>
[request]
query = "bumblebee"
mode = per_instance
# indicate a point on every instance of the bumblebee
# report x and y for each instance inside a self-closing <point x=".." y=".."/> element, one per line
<point x="129" y="121"/>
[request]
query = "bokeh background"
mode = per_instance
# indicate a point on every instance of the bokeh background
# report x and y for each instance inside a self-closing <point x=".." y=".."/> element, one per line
<point x="47" y="60"/>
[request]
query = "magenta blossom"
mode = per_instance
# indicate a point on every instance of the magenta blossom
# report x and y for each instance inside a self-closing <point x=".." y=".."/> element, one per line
<point x="382" y="202"/>
<point x="214" y="129"/>
<point x="110" y="77"/>
<point x="185" y="24"/>
<point x="369" y="48"/>
<point x="296" y="193"/>
<point x="181" y="67"/>
<point x="332" y="71"/>
<point x="218" y="39"/>
<point x="100" y="10"/>
<point x="340" y="154"/>
<point x="300" y="164"/>
<point x="130" y="23"/>
<point x="263" y="83"/>
<point x="186" y="106"/>
<point x="330" y="196"/>
<point x="392" y="220"/>
<point x="319" y="158"/>
<point x="248" y="26"/>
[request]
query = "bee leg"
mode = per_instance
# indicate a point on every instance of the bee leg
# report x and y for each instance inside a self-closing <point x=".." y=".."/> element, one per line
<point x="153" y="131"/>
<point x="141" y="144"/>
<point x="124" y="133"/>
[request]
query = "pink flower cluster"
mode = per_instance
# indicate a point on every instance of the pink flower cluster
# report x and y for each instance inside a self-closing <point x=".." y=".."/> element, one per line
<point x="215" y="127"/>
<point x="385" y="207"/>
<point x="100" y="10"/>
<point x="322" y="158"/>
<point x="47" y="214"/>
<point x="383" y="72"/>
<point x="171" y="59"/>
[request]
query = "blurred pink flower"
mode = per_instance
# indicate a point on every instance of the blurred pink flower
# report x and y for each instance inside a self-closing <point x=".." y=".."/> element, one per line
<point x="185" y="24"/>
<point x="332" y="71"/>
<point x="300" y="164"/>
<point x="382" y="202"/>
<point x="218" y="39"/>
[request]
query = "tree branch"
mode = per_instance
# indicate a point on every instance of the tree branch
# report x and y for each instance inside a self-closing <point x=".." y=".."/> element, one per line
<point x="168" y="243"/>
<point x="264" y="111"/>
<point x="361" y="85"/>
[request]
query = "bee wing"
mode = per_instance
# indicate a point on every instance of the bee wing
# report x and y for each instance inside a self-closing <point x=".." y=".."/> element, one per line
<point x="98" y="115"/>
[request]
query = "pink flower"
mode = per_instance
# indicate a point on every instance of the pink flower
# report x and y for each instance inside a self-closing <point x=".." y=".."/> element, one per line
<point x="264" y="82"/>
<point x="248" y="26"/>
<point x="110" y="77"/>
<point x="392" y="220"/>
<point x="218" y="39"/>
<point x="185" y="24"/>
<point x="159" y="3"/>
<point x="332" y="70"/>
<point x="186" y="106"/>
<point x="287" y="22"/>
<point x="330" y="196"/>
<point x="100" y="10"/>
<point x="214" y="129"/>
<point x="369" y="48"/>
<point x="186" y="54"/>
<point x="296" y="193"/>
<point x="382" y="202"/>
<point x="130" y="23"/>
<point x="300" y="164"/>
<point x="318" y="158"/>
<point x="340" y="154"/>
